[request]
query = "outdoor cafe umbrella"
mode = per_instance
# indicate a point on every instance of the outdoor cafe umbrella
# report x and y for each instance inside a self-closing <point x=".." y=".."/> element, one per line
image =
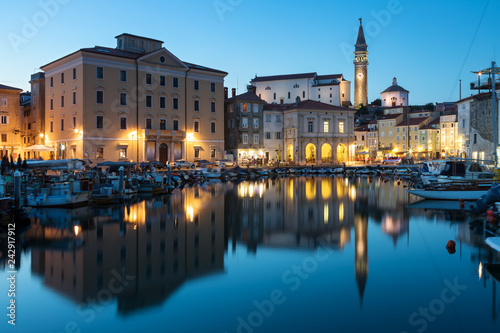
<point x="39" y="148"/>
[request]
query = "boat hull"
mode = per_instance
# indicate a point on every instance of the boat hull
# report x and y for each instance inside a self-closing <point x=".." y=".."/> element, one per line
<point x="61" y="200"/>
<point x="437" y="194"/>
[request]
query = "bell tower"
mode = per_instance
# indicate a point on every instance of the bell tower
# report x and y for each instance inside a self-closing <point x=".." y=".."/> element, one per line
<point x="360" y="69"/>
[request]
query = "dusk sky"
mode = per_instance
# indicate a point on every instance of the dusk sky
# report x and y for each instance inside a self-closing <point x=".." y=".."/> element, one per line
<point x="427" y="45"/>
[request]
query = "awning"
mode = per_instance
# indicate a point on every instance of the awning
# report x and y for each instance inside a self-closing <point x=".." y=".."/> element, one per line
<point x="199" y="147"/>
<point x="39" y="148"/>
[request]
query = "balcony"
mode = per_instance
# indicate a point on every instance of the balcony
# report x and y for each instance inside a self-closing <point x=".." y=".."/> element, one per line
<point x="163" y="134"/>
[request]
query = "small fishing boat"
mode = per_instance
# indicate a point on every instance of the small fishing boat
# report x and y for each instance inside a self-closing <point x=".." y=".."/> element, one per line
<point x="459" y="190"/>
<point x="493" y="242"/>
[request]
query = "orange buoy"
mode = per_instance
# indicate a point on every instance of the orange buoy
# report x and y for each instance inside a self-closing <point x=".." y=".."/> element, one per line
<point x="450" y="246"/>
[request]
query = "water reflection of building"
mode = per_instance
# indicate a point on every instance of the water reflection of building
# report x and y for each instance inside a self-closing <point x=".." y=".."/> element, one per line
<point x="291" y="212"/>
<point x="144" y="254"/>
<point x="361" y="254"/>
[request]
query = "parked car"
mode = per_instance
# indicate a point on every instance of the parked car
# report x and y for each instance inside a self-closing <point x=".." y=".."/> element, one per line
<point x="225" y="163"/>
<point x="179" y="164"/>
<point x="392" y="160"/>
<point x="199" y="163"/>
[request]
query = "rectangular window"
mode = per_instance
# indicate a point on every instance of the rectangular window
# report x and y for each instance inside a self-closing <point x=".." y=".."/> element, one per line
<point x="74" y="73"/>
<point x="99" y="122"/>
<point x="256" y="123"/>
<point x="123" y="98"/>
<point x="51" y="126"/>
<point x="74" y="97"/>
<point x="197" y="153"/>
<point x="175" y="104"/>
<point x="303" y="94"/>
<point x="245" y="138"/>
<point x="149" y="78"/>
<point x="274" y="96"/>
<point x="212" y="127"/>
<point x="310" y="126"/>
<point x="212" y="87"/>
<point x="341" y="127"/>
<point x="326" y="126"/>
<point x="163" y="102"/>
<point x="52" y="104"/>
<point x="288" y="95"/>
<point x="212" y="152"/>
<point x="197" y="105"/>
<point x="62" y="101"/>
<point x="175" y="125"/>
<point x="123" y="123"/>
<point x="74" y="122"/>
<point x="100" y="153"/>
<point x="163" y="80"/>
<point x="268" y="135"/>
<point x="149" y="101"/>
<point x="123" y="76"/>
<point x="268" y="118"/>
<point x="175" y="82"/>
<point x="62" y="78"/>
<point x="123" y="152"/>
<point x="278" y="135"/>
<point x="99" y="97"/>
<point x="256" y="139"/>
<point x="212" y="107"/>
<point x="196" y="85"/>
<point x="5" y="120"/>
<point x="163" y="124"/>
<point x="4" y="137"/>
<point x="51" y="81"/>
<point x="278" y="118"/>
<point x="99" y="73"/>
<point x="149" y="123"/>
<point x="256" y="108"/>
<point x="62" y="125"/>
<point x="244" y="122"/>
<point x="196" y="126"/>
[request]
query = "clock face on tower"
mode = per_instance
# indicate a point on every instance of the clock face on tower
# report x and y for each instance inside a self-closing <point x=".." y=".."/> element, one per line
<point x="360" y="76"/>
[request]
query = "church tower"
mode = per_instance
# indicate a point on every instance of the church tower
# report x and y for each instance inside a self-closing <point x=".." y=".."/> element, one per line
<point x="360" y="69"/>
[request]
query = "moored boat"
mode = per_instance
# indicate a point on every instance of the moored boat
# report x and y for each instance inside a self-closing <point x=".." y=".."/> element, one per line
<point x="460" y="190"/>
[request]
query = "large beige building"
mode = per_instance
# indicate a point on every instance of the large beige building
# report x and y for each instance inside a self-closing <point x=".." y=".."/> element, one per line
<point x="10" y="122"/>
<point x="136" y="102"/>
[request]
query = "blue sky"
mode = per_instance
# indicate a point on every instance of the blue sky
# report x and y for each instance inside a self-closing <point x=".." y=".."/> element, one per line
<point x="423" y="43"/>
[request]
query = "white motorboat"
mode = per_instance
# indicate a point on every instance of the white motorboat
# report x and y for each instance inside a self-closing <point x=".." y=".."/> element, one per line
<point x="64" y="194"/>
<point x="459" y="190"/>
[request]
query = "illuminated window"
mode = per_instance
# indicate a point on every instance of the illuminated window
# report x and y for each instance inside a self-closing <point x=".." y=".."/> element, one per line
<point x="123" y="152"/>
<point x="341" y="127"/>
<point x="100" y="153"/>
<point x="326" y="126"/>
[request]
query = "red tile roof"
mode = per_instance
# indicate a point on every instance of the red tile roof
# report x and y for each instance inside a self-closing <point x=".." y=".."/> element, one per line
<point x="284" y="77"/>
<point x="412" y="121"/>
<point x="362" y="128"/>
<point x="249" y="96"/>
<point x="390" y="116"/>
<point x="427" y="127"/>
<point x="435" y="121"/>
<point x="314" y="105"/>
<point x="276" y="107"/>
<point x="2" y="86"/>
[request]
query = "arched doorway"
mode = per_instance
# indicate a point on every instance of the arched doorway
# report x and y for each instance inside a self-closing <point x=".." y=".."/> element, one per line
<point x="310" y="153"/>
<point x="326" y="153"/>
<point x="289" y="153"/>
<point x="341" y="153"/>
<point x="163" y="153"/>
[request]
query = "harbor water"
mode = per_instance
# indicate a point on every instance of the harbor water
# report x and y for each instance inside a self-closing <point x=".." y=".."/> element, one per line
<point x="298" y="254"/>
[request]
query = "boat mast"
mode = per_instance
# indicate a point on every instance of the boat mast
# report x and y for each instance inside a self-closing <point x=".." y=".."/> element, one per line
<point x="495" y="118"/>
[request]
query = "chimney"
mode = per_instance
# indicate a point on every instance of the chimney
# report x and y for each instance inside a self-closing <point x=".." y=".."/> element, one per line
<point x="233" y="92"/>
<point x="226" y="93"/>
<point x="254" y="89"/>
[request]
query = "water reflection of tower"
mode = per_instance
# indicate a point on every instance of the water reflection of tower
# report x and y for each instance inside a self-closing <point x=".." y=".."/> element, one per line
<point x="361" y="253"/>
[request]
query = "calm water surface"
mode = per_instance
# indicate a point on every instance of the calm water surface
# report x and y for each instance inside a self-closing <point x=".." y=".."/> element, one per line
<point x="311" y="254"/>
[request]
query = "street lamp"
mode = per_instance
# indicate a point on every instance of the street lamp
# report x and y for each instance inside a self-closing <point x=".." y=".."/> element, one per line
<point x="189" y="137"/>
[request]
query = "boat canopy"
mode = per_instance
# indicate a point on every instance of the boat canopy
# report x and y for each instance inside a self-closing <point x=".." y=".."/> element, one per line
<point x="68" y="164"/>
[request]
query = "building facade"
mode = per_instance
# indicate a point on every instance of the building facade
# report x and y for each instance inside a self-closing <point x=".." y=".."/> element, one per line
<point x="318" y="133"/>
<point x="284" y="89"/>
<point x="137" y="102"/>
<point x="10" y="121"/>
<point x="449" y="134"/>
<point x="244" y="130"/>
<point x="273" y="132"/>
<point x="395" y="95"/>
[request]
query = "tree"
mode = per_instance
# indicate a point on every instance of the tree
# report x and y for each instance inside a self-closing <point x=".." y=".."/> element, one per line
<point x="429" y="106"/>
<point x="377" y="102"/>
<point x="362" y="110"/>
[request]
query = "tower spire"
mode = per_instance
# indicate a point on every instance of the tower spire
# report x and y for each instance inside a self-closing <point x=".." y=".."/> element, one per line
<point x="360" y="68"/>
